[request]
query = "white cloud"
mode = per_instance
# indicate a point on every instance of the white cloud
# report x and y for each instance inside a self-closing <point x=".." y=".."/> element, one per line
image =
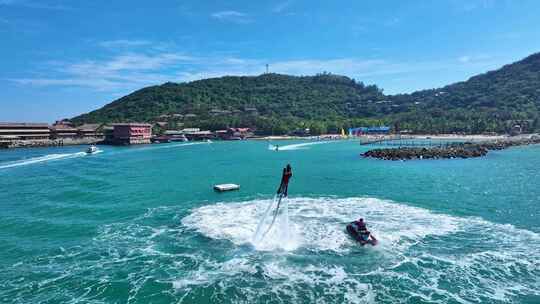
<point x="124" y="43"/>
<point x="464" y="59"/>
<point x="133" y="71"/>
<point x="471" y="5"/>
<point x="474" y="59"/>
<point x="127" y="71"/>
<point x="358" y="68"/>
<point x="34" y="4"/>
<point x="231" y="16"/>
<point x="280" y="7"/>
<point x="136" y="62"/>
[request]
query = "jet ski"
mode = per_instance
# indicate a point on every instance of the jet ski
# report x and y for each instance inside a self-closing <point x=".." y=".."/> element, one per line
<point x="363" y="237"/>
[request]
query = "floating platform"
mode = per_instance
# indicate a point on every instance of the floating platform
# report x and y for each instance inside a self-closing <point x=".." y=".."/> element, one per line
<point x="226" y="187"/>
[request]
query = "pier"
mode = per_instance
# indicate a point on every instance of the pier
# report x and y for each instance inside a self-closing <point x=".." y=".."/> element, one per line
<point x="408" y="141"/>
<point x="403" y="141"/>
<point x="407" y="149"/>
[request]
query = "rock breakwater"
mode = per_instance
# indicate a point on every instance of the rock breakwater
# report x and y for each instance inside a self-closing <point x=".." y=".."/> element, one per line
<point x="454" y="150"/>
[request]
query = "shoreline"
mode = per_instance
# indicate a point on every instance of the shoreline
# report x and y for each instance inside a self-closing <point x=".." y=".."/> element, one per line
<point x="471" y="137"/>
<point x="49" y="143"/>
<point x="444" y="136"/>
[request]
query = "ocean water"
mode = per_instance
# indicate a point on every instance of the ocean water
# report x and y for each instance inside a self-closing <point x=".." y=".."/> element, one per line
<point x="142" y="225"/>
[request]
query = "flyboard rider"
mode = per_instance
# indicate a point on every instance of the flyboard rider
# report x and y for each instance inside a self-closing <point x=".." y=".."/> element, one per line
<point x="285" y="178"/>
<point x="281" y="193"/>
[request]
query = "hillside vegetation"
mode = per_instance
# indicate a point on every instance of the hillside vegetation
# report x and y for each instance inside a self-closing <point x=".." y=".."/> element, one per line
<point x="276" y="104"/>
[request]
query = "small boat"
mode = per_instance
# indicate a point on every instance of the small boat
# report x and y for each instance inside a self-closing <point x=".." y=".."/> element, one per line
<point x="360" y="236"/>
<point x="92" y="149"/>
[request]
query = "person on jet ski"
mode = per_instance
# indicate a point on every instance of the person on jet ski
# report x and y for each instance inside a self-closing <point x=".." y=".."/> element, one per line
<point x="285" y="178"/>
<point x="358" y="231"/>
<point x="360" y="225"/>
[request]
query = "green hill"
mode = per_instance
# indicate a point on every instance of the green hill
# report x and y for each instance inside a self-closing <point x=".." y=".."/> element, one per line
<point x="275" y="104"/>
<point x="492" y="101"/>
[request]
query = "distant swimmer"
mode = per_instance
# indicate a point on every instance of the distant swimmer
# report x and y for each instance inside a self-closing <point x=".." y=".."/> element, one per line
<point x="285" y="178"/>
<point x="277" y="148"/>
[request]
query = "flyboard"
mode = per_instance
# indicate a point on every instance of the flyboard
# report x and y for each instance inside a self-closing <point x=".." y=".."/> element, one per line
<point x="273" y="211"/>
<point x="276" y="212"/>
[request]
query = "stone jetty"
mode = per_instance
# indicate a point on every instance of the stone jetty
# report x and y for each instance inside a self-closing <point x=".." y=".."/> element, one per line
<point x="454" y="150"/>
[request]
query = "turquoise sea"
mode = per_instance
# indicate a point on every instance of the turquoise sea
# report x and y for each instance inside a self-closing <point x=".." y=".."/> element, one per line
<point x="142" y="224"/>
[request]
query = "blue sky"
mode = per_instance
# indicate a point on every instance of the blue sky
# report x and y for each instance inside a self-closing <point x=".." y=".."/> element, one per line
<point x="63" y="58"/>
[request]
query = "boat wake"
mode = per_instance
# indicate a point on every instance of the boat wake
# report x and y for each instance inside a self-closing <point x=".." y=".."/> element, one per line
<point x="42" y="159"/>
<point x="180" y="145"/>
<point x="163" y="146"/>
<point x="295" y="146"/>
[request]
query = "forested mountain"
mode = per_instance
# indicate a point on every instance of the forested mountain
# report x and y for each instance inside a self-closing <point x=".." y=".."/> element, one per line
<point x="272" y="103"/>
<point x="486" y="102"/>
<point x="275" y="104"/>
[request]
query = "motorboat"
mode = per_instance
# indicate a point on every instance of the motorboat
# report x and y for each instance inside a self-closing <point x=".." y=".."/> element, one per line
<point x="92" y="149"/>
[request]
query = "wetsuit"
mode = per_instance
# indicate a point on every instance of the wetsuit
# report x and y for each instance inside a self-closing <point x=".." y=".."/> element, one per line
<point x="284" y="186"/>
<point x="361" y="226"/>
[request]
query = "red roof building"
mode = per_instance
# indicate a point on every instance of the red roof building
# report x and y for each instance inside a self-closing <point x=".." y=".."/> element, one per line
<point x="132" y="133"/>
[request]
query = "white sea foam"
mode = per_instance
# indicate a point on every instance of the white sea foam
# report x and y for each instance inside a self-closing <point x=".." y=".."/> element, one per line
<point x="420" y="253"/>
<point x="98" y="151"/>
<point x="422" y="257"/>
<point x="296" y="146"/>
<point x="41" y="159"/>
<point x="180" y="145"/>
<point x="162" y="146"/>
<point x="318" y="224"/>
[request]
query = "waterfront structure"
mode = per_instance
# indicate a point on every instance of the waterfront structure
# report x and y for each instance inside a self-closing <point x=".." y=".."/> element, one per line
<point x="516" y="130"/>
<point x="174" y="135"/>
<point x="10" y="132"/>
<point x="190" y="130"/>
<point x="132" y="133"/>
<point x="63" y="130"/>
<point x="199" y="135"/>
<point x="161" y="124"/>
<point x="368" y="130"/>
<point x="90" y="131"/>
<point x="221" y="134"/>
<point x="234" y="133"/>
<point x="108" y="134"/>
<point x="301" y="132"/>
